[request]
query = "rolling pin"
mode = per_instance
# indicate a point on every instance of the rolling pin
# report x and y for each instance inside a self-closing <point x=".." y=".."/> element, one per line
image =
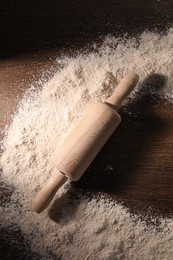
<point x="84" y="142"/>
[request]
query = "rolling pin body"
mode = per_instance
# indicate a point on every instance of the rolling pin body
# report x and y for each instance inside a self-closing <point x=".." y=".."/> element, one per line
<point x="86" y="139"/>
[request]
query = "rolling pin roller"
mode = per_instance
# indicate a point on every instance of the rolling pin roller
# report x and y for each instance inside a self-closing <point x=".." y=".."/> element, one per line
<point x="84" y="142"/>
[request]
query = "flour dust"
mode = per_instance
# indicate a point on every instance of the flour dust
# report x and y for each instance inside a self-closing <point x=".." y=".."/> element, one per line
<point x="80" y="227"/>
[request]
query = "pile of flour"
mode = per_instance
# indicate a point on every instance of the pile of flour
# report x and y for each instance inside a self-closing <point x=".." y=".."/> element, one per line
<point x="78" y="226"/>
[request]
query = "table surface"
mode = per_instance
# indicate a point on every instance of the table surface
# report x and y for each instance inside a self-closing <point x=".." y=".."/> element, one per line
<point x="33" y="33"/>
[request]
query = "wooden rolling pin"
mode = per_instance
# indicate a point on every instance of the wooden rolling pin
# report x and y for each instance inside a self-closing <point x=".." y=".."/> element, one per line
<point x="87" y="138"/>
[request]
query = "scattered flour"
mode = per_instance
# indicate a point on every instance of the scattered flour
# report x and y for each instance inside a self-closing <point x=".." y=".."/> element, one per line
<point x="79" y="227"/>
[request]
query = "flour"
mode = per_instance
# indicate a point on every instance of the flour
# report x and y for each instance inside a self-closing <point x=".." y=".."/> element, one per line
<point x="83" y="227"/>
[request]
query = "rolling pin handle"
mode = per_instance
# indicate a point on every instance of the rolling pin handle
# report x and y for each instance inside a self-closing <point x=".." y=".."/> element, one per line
<point x="45" y="196"/>
<point x="123" y="89"/>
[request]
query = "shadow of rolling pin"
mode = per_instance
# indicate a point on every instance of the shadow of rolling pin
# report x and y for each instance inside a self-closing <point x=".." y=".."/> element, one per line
<point x="84" y="142"/>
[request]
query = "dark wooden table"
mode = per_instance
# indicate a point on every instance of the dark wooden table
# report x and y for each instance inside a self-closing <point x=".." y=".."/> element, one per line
<point x="33" y="33"/>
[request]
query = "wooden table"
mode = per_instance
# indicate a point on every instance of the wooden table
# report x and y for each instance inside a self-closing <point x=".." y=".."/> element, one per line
<point x="33" y="33"/>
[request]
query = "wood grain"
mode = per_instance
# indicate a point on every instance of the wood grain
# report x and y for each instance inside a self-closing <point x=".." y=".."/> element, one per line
<point x="135" y="166"/>
<point x="16" y="75"/>
<point x="34" y="25"/>
<point x="32" y="34"/>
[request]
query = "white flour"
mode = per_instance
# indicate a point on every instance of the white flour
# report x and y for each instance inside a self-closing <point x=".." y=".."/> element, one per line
<point x="83" y="228"/>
